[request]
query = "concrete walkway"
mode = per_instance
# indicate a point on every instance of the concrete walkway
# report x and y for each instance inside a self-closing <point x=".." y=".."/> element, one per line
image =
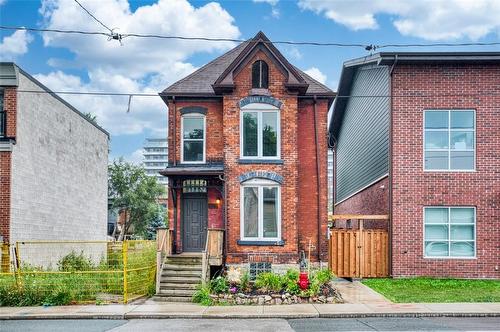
<point x="187" y="310"/>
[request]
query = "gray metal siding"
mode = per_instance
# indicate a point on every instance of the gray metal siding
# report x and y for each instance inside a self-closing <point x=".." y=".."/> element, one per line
<point x="363" y="141"/>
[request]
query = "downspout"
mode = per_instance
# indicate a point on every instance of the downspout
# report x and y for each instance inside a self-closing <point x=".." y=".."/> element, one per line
<point x="174" y="197"/>
<point x="175" y="131"/>
<point x="391" y="103"/>
<point x="173" y="192"/>
<point x="224" y="219"/>
<point x="318" y="182"/>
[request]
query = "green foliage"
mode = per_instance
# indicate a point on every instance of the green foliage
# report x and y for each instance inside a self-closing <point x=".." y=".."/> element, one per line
<point x="290" y="282"/>
<point x="158" y="220"/>
<point x="134" y="193"/>
<point x="219" y="285"/>
<point x="245" y="282"/>
<point x="323" y="276"/>
<point x="409" y="290"/>
<point x="75" y="262"/>
<point x="91" y="117"/>
<point x="202" y="295"/>
<point x="269" y="282"/>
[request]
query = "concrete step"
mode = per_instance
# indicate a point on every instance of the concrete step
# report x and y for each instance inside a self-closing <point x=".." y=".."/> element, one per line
<point x="172" y="273"/>
<point x="182" y="267"/>
<point x="176" y="280"/>
<point x="170" y="285"/>
<point x="183" y="260"/>
<point x="164" y="298"/>
<point x="177" y="292"/>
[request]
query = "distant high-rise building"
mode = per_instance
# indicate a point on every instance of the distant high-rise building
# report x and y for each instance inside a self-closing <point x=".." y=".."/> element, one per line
<point x="155" y="158"/>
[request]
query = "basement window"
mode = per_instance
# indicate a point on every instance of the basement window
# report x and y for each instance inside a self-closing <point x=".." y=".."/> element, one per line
<point x="258" y="268"/>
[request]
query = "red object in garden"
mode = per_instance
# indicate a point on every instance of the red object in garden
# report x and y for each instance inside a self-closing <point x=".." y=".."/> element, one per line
<point x="303" y="280"/>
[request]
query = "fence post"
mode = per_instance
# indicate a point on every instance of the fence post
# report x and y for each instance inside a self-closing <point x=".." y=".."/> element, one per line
<point x="5" y="260"/>
<point x="161" y="237"/>
<point x="125" y="259"/>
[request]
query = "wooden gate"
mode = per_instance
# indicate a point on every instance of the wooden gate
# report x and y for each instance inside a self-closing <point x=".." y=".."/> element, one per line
<point x="359" y="253"/>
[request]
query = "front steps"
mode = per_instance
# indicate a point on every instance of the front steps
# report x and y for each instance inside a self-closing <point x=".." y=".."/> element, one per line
<point x="179" y="277"/>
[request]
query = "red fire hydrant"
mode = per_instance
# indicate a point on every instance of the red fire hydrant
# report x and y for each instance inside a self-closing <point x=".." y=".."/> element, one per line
<point x="303" y="280"/>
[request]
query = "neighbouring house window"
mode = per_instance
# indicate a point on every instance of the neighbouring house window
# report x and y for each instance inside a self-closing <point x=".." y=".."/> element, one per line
<point x="260" y="134"/>
<point x="260" y="210"/>
<point x="450" y="232"/>
<point x="449" y="140"/>
<point x="193" y="138"/>
<point x="3" y="118"/>
<point x="260" y="75"/>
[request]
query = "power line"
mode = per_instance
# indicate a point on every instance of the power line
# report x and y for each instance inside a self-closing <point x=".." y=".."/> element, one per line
<point x="368" y="47"/>
<point x="91" y="15"/>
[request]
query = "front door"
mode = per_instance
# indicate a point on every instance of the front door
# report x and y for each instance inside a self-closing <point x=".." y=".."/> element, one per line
<point x="194" y="220"/>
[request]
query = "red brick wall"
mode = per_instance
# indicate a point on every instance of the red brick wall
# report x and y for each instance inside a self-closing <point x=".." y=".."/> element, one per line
<point x="307" y="183"/>
<point x="10" y="107"/>
<point x="215" y="210"/>
<point x="413" y="189"/>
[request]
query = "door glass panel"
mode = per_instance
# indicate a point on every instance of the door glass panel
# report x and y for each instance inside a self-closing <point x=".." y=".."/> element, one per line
<point x="462" y="232"/>
<point x="462" y="160"/>
<point x="436" y="139"/>
<point x="462" y="120"/>
<point x="436" y="249"/>
<point x="193" y="150"/>
<point x="270" y="212"/>
<point x="462" y="215"/>
<point x="462" y="249"/>
<point x="250" y="211"/>
<point x="250" y="134"/>
<point x="436" y="215"/>
<point x="436" y="232"/>
<point x="436" y="120"/>
<point x="461" y="140"/>
<point x="269" y="134"/>
<point x="436" y="160"/>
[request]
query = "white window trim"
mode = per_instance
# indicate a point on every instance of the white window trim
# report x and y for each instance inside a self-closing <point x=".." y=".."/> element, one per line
<point x="449" y="230"/>
<point x="194" y="115"/>
<point x="260" y="183"/>
<point x="449" y="130"/>
<point x="260" y="109"/>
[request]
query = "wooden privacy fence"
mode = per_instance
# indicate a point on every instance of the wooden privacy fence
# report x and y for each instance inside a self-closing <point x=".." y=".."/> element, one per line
<point x="359" y="253"/>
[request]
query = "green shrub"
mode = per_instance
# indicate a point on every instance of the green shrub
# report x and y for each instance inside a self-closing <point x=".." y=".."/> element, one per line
<point x="323" y="276"/>
<point x="75" y="262"/>
<point x="219" y="285"/>
<point x="269" y="282"/>
<point x="290" y="281"/>
<point x="202" y="295"/>
<point x="245" y="282"/>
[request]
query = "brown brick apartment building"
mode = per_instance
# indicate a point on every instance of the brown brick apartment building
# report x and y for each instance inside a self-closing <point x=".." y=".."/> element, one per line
<point x="248" y="154"/>
<point x="417" y="136"/>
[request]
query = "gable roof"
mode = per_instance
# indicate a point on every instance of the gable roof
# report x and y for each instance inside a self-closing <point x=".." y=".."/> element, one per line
<point x="394" y="58"/>
<point x="201" y="83"/>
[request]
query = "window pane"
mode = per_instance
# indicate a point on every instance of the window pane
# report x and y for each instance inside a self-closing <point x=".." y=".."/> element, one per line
<point x="249" y="134"/>
<point x="436" y="160"/>
<point x="193" y="128"/>
<point x="436" y="139"/>
<point x="461" y="140"/>
<point x="436" y="215"/>
<point x="256" y="75"/>
<point x="462" y="232"/>
<point x="462" y="119"/>
<point x="269" y="134"/>
<point x="436" y="248"/>
<point x="462" y="160"/>
<point x="436" y="232"/>
<point x="462" y="215"/>
<point x="462" y="249"/>
<point x="193" y="150"/>
<point x="270" y="212"/>
<point x="250" y="208"/>
<point x="436" y="119"/>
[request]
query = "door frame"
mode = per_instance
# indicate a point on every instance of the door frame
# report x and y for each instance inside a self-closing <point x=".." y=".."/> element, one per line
<point x="192" y="195"/>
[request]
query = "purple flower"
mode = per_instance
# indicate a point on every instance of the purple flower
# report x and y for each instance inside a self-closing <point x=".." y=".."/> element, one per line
<point x="233" y="289"/>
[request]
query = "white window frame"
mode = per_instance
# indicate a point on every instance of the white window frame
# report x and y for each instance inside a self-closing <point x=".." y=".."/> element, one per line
<point x="194" y="115"/>
<point x="260" y="184"/>
<point x="449" y="232"/>
<point x="449" y="149"/>
<point x="260" y="109"/>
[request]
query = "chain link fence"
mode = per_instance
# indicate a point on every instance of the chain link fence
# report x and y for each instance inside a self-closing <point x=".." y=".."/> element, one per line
<point x="64" y="272"/>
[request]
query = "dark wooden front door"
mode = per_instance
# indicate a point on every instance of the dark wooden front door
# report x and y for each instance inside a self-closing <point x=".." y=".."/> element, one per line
<point x="194" y="220"/>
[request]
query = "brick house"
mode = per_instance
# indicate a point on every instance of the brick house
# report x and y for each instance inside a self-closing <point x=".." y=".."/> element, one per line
<point x="247" y="154"/>
<point x="53" y="165"/>
<point x="418" y="137"/>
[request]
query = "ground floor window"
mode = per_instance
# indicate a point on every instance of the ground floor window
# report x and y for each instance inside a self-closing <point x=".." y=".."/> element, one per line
<point x="260" y="210"/>
<point x="449" y="232"/>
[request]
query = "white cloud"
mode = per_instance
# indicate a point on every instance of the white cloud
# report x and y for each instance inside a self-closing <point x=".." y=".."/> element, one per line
<point x="427" y="19"/>
<point x="275" y="12"/>
<point x="136" y="157"/>
<point x="140" y="65"/>
<point x="316" y="74"/>
<point x="14" y="45"/>
<point x="271" y="2"/>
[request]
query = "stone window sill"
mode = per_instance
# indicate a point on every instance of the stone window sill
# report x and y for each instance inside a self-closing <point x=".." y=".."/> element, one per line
<point x="261" y="161"/>
<point x="280" y="243"/>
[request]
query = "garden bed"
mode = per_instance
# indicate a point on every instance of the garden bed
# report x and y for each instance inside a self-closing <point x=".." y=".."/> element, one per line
<point x="236" y="288"/>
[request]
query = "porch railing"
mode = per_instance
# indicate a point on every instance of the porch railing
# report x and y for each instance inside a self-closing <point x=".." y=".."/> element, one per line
<point x="164" y="243"/>
<point x="213" y="253"/>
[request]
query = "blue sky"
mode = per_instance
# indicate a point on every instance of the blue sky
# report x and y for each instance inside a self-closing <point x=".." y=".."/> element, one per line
<point x="83" y="63"/>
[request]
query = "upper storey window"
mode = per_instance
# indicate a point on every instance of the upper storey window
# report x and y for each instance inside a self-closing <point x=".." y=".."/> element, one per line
<point x="260" y="75"/>
<point x="193" y="138"/>
<point x="260" y="132"/>
<point x="3" y="118"/>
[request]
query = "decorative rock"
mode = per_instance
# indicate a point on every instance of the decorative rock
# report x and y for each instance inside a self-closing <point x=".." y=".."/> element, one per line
<point x="330" y="299"/>
<point x="275" y="296"/>
<point x="261" y="300"/>
<point x="322" y="299"/>
<point x="278" y="301"/>
<point x="267" y="298"/>
<point x="241" y="295"/>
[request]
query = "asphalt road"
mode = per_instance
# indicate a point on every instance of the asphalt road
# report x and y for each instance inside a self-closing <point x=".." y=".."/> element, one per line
<point x="241" y="325"/>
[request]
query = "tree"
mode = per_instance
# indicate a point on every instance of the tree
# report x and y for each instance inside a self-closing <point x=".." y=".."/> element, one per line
<point x="134" y="194"/>
<point x="157" y="221"/>
<point x="91" y="117"/>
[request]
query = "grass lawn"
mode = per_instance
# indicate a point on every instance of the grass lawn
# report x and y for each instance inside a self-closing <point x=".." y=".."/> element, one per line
<point x="436" y="290"/>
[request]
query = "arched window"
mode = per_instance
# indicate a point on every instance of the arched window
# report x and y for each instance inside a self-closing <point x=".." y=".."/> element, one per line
<point x="260" y="75"/>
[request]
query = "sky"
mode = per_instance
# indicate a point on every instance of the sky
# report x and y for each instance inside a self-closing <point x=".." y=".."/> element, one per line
<point x="92" y="63"/>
